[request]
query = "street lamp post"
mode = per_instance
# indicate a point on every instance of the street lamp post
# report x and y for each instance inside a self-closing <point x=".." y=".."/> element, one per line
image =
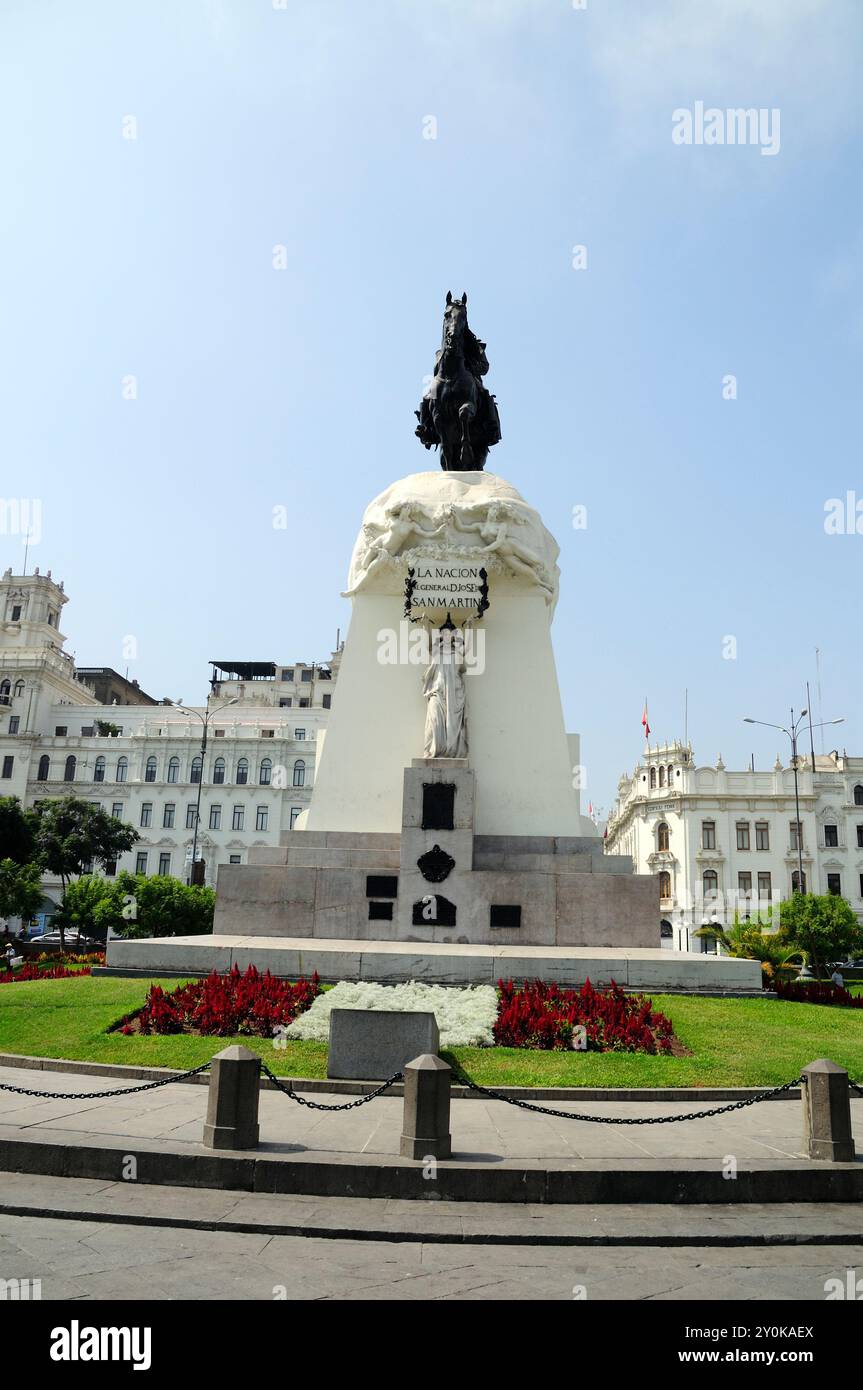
<point x="792" y="733"/>
<point x="205" y="722"/>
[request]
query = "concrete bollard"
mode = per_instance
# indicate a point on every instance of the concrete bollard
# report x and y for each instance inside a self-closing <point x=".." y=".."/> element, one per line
<point x="232" y="1104"/>
<point x="827" y="1112"/>
<point x="425" y="1124"/>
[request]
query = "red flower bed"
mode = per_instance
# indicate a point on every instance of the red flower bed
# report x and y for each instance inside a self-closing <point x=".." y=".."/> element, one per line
<point x="545" y="1015"/>
<point x="224" y="1005"/>
<point x="34" y="972"/>
<point x="816" y="993"/>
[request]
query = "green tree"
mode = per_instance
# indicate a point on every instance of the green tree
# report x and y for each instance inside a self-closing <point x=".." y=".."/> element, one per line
<point x="85" y="905"/>
<point x="20" y="889"/>
<point x="158" y="906"/>
<point x="753" y="940"/>
<point x="822" y="926"/>
<point x="72" y="835"/>
<point x="17" y="831"/>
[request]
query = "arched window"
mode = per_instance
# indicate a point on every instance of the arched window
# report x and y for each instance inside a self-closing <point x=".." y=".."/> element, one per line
<point x="174" y="769"/>
<point x="858" y="795"/>
<point x="44" y="768"/>
<point x="662" y="836"/>
<point x="99" y="769"/>
<point x="150" y="770"/>
<point x="266" y="772"/>
<point x="299" y="773"/>
<point x="196" y="768"/>
<point x="665" y="884"/>
<point x="662" y="776"/>
<point x="670" y="771"/>
<point x="652" y="778"/>
<point x="242" y="772"/>
<point x="19" y="688"/>
<point x="710" y="884"/>
<point x="69" y="770"/>
<point x="5" y="691"/>
<point x="122" y="769"/>
<point x="666" y="931"/>
<point x="796" y="885"/>
<point x="219" y="770"/>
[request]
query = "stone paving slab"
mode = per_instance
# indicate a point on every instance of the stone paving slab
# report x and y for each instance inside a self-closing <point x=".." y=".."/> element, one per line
<point x="499" y="1152"/>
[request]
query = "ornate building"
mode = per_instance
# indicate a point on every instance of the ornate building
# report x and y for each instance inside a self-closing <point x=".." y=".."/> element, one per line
<point x="722" y="842"/>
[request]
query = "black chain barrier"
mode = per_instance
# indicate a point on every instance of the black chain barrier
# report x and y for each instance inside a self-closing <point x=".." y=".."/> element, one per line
<point x="105" y="1095"/>
<point x="317" y="1105"/>
<point x="620" y="1119"/>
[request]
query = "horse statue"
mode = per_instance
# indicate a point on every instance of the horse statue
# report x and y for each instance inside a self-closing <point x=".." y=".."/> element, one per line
<point x="457" y="413"/>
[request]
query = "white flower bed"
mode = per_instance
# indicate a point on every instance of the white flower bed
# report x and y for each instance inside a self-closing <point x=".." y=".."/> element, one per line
<point x="465" y="1017"/>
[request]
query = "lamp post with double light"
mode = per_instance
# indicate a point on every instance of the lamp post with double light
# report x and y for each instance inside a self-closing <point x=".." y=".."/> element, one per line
<point x="205" y="723"/>
<point x="792" y="733"/>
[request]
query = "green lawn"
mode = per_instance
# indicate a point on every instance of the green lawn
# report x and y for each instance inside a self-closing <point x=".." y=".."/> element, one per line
<point x="733" y="1042"/>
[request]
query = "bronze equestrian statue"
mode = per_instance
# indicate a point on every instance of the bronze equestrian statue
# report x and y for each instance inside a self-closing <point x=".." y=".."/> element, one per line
<point x="457" y="413"/>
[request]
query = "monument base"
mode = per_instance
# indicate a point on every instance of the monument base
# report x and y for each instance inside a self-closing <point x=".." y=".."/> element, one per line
<point x="394" y="962"/>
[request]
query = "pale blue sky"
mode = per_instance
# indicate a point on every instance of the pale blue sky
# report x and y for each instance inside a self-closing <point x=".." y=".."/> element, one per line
<point x="303" y="126"/>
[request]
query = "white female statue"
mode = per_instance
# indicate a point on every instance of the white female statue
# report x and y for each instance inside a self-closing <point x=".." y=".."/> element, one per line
<point x="444" y="690"/>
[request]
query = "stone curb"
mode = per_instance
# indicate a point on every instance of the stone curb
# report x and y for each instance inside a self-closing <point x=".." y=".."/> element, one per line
<point x="588" y="1182"/>
<point x="393" y="1235"/>
<point x="691" y="1094"/>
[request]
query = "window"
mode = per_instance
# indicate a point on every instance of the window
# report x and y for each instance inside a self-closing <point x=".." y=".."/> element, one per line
<point x="286" y="703"/>
<point x="304" y="704"/>
<point x="173" y="769"/>
<point x="744" y="883"/>
<point x="45" y="769"/>
<point x="861" y="885"/>
<point x="662" y="776"/>
<point x="219" y="771"/>
<point x="218" y="733"/>
<point x="16" y="613"/>
<point x="266" y="772"/>
<point x="99" y="769"/>
<point x="327" y="701"/>
<point x="261" y="818"/>
<point x="762" y="834"/>
<point x="117" y="810"/>
<point x="141" y="862"/>
<point x="743" y="834"/>
<point x="14" y="723"/>
<point x="665" y="884"/>
<point x="6" y="692"/>
<point x="708" y="834"/>
<point x="146" y="814"/>
<point x="69" y="770"/>
<point x="305" y="675"/>
<point x="238" y="817"/>
<point x="670" y="772"/>
<point x="831" y="836"/>
<point x="765" y="887"/>
<point x="793" y="827"/>
<point x="860" y="837"/>
<point x="662" y="838"/>
<point x="652" y="778"/>
<point x="8" y="764"/>
<point x="295" y="812"/>
<point x="216" y="817"/>
<point x="300" y="734"/>
<point x="858" y="795"/>
<point x="196" y="768"/>
<point x="235" y="859"/>
<point x="798" y="885"/>
<point x="61" y="731"/>
<point x="710" y="884"/>
<point x="242" y="772"/>
<point x="834" y="884"/>
<point x="122" y="769"/>
<point x="268" y="733"/>
<point x="165" y="862"/>
<point x="288" y="673"/>
<point x="150" y="770"/>
<point x="299" y="773"/>
<point x="110" y="868"/>
<point x="168" y="815"/>
<point x="191" y="813"/>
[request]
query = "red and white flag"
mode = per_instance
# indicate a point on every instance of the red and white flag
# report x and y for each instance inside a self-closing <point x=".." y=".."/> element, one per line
<point x="644" y="720"/>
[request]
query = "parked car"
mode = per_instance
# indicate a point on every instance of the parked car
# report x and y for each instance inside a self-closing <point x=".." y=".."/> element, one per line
<point x="72" y="937"/>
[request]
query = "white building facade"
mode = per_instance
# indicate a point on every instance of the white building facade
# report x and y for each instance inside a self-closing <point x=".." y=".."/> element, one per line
<point x="264" y="724"/>
<point x="722" y="842"/>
